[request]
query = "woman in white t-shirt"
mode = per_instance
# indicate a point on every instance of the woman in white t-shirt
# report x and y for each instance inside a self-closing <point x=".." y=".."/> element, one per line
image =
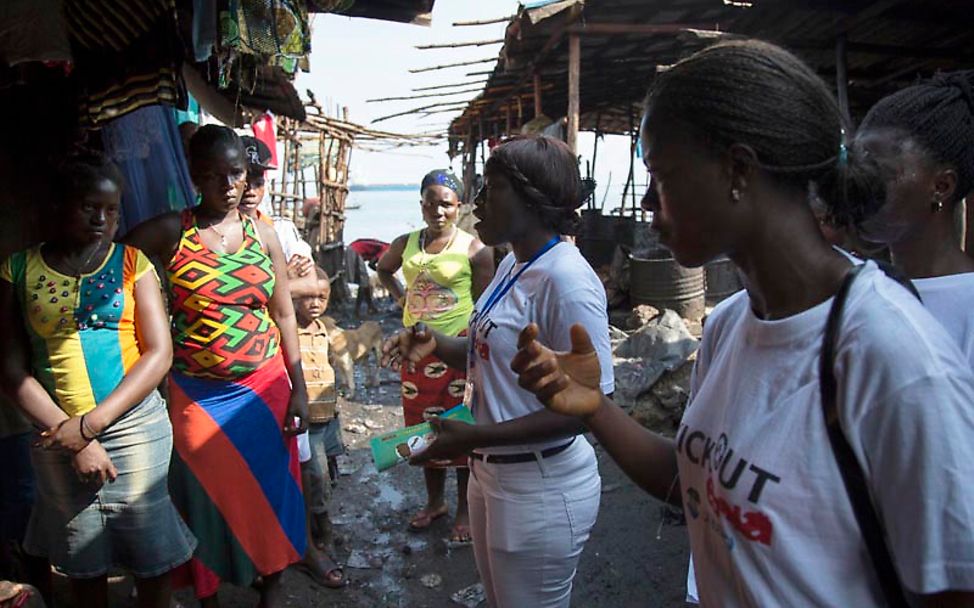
<point x="733" y="137"/>
<point x="923" y="139"/>
<point x="534" y="484"/>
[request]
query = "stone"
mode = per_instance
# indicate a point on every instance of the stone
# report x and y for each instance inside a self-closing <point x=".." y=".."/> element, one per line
<point x="660" y="346"/>
<point x="470" y="597"/>
<point x="641" y="315"/>
<point x="431" y="580"/>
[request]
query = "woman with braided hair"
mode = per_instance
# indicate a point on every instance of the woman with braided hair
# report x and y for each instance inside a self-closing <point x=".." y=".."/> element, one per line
<point x="789" y="424"/>
<point x="534" y="485"/>
<point x="923" y="141"/>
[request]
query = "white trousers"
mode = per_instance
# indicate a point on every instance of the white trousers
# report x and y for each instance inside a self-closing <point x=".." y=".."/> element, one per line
<point x="529" y="523"/>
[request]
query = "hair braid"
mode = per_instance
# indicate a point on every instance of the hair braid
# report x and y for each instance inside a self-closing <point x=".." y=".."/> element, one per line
<point x="545" y="172"/>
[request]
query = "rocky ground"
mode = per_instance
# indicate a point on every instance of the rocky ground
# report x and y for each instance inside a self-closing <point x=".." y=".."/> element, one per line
<point x="637" y="556"/>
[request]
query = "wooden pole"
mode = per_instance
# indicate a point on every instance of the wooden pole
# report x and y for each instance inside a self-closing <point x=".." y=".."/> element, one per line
<point x="634" y="136"/>
<point x="484" y="22"/>
<point x="842" y="77"/>
<point x="284" y="164"/>
<point x="424" y="96"/>
<point x="574" y="64"/>
<point x="537" y="94"/>
<point x="450" y="86"/>
<point x="456" y="45"/>
<point x="451" y="65"/>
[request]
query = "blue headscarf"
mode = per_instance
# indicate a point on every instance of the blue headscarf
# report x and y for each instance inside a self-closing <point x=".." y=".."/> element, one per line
<point x="442" y="177"/>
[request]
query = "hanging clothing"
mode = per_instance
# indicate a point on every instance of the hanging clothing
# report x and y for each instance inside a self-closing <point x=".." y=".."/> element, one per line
<point x="81" y="329"/>
<point x="274" y="29"/>
<point x="146" y="146"/>
<point x="221" y="327"/>
<point x="127" y="54"/>
<point x="265" y="131"/>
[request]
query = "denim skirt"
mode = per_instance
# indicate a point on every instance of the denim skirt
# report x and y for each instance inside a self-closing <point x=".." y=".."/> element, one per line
<point x="88" y="530"/>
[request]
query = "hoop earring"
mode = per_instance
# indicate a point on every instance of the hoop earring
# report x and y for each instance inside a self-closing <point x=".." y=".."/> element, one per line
<point x="937" y="205"/>
<point x="735" y="195"/>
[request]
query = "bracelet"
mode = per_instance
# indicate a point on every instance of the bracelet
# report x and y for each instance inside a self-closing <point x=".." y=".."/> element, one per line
<point x="84" y="426"/>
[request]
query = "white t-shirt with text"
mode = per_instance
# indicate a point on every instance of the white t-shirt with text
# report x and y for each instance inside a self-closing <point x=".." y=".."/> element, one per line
<point x="769" y="519"/>
<point x="557" y="291"/>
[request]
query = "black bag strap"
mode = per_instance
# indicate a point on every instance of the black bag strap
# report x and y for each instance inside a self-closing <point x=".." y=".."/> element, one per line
<point x="852" y="474"/>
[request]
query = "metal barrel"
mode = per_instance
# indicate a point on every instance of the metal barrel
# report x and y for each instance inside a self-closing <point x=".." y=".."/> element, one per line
<point x="723" y="280"/>
<point x="661" y="282"/>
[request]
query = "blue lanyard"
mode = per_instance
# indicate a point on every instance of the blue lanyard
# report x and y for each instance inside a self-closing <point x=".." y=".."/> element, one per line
<point x="503" y="287"/>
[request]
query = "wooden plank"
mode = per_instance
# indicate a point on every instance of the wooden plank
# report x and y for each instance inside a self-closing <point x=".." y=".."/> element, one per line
<point x="574" y="65"/>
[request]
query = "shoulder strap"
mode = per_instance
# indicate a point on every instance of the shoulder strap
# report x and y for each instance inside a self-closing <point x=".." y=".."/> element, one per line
<point x="853" y="477"/>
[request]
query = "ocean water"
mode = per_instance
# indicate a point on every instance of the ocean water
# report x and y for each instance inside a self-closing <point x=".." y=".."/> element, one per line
<point x="382" y="214"/>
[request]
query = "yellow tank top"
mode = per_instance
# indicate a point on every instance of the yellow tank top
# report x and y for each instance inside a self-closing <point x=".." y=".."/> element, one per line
<point x="438" y="284"/>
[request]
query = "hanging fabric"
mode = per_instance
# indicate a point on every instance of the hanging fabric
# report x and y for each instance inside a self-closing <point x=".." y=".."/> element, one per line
<point x="127" y="55"/>
<point x="146" y="146"/>
<point x="265" y="131"/>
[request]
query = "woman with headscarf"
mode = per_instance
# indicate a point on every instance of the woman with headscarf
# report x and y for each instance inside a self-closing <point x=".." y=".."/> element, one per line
<point x="446" y="270"/>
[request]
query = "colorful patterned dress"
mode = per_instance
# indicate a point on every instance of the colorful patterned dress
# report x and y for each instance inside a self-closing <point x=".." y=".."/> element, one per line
<point x="235" y="476"/>
<point x="438" y="293"/>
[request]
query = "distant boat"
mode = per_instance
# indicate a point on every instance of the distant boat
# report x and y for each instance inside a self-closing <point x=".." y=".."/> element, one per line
<point x="353" y="206"/>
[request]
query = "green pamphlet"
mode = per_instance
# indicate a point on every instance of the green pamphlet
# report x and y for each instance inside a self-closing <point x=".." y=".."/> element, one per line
<point x="389" y="449"/>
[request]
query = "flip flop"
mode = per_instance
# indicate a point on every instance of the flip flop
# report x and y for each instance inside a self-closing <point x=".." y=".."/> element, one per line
<point x="330" y="568"/>
<point x="460" y="536"/>
<point x="425" y="518"/>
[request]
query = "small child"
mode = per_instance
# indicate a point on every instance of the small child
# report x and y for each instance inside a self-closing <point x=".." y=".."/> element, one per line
<point x="324" y="432"/>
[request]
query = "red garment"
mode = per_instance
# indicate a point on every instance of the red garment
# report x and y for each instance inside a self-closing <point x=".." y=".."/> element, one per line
<point x="370" y="249"/>
<point x="264" y="131"/>
<point x="433" y="384"/>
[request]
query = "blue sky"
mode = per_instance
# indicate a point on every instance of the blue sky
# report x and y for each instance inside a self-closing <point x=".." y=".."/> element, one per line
<point x="353" y="60"/>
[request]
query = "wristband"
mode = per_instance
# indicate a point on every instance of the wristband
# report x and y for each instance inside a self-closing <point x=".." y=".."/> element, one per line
<point x="84" y="426"/>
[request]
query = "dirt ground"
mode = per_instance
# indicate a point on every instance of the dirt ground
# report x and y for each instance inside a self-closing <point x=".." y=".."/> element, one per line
<point x="630" y="561"/>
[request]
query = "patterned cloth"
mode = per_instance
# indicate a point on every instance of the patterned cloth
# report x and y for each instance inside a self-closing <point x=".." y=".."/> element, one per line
<point x="235" y="477"/>
<point x="434" y="384"/>
<point x="81" y="329"/>
<point x="221" y="327"/>
<point x="438" y="284"/>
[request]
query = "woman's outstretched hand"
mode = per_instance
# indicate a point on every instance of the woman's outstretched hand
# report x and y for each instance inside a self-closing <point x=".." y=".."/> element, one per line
<point x="408" y="346"/>
<point x="566" y="383"/>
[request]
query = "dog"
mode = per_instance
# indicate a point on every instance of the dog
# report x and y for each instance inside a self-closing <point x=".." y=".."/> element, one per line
<point x="351" y="346"/>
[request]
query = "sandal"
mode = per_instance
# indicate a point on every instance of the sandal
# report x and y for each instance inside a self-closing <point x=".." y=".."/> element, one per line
<point x="333" y="577"/>
<point x="425" y="518"/>
<point x="460" y="536"/>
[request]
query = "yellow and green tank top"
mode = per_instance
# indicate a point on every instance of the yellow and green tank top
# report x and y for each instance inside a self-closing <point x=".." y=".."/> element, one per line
<point x="221" y="327"/>
<point x="438" y="284"/>
<point x="82" y="332"/>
